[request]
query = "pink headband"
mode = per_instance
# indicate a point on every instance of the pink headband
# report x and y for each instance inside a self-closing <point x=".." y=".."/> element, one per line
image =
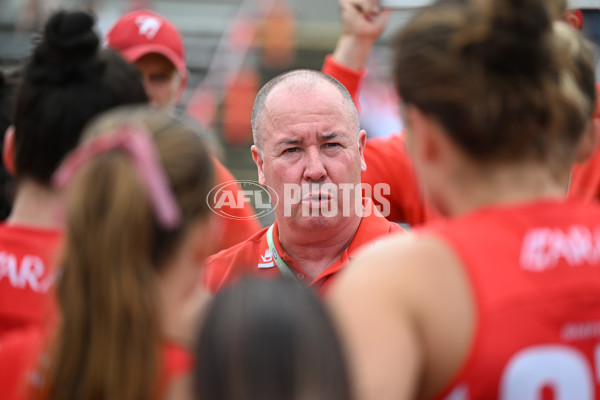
<point x="137" y="144"/>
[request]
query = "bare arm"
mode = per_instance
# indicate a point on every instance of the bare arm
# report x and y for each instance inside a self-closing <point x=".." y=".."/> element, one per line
<point x="378" y="330"/>
<point x="363" y="21"/>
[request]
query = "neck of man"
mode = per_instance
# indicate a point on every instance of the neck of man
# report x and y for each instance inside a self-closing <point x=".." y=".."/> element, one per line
<point x="36" y="205"/>
<point x="315" y="249"/>
<point x="506" y="185"/>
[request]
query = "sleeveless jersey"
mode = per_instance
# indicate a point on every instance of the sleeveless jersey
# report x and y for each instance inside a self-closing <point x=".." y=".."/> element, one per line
<point x="534" y="270"/>
<point x="27" y="275"/>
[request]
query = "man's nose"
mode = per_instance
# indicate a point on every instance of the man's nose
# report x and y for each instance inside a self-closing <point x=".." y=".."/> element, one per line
<point x="314" y="169"/>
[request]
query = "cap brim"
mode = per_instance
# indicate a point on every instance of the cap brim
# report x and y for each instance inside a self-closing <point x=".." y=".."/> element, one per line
<point x="134" y="53"/>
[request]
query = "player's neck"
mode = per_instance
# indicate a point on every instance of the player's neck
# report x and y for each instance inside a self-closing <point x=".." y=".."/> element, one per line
<point x="180" y="315"/>
<point x="505" y="186"/>
<point x="314" y="251"/>
<point x="36" y="205"/>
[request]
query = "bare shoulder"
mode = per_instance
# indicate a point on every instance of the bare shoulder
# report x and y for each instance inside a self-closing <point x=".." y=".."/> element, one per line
<point x="404" y="306"/>
<point x="399" y="262"/>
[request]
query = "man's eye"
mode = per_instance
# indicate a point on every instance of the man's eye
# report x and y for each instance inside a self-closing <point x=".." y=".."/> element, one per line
<point x="331" y="145"/>
<point x="290" y="150"/>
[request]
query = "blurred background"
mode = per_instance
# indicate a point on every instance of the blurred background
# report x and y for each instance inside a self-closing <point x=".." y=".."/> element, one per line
<point x="233" y="47"/>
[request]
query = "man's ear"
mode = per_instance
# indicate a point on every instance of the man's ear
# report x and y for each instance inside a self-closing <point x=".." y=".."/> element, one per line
<point x="362" y="142"/>
<point x="258" y="160"/>
<point x="8" y="151"/>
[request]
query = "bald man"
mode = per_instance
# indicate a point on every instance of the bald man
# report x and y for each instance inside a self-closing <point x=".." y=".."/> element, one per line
<point x="308" y="149"/>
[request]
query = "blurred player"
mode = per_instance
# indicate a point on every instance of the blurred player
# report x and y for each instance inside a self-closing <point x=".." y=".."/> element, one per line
<point x="502" y="301"/>
<point x="156" y="47"/>
<point x="66" y="82"/>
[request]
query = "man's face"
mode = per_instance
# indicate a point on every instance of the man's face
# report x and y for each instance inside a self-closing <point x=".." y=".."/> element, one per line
<point x="312" y="158"/>
<point x="162" y="82"/>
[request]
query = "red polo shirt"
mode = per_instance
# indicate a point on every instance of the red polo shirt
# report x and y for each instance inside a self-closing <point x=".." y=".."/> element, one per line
<point x="253" y="257"/>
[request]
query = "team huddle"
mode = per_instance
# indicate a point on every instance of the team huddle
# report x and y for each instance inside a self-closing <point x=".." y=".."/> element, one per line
<point x="119" y="280"/>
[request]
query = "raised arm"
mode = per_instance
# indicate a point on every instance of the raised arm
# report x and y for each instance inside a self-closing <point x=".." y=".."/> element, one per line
<point x="362" y="21"/>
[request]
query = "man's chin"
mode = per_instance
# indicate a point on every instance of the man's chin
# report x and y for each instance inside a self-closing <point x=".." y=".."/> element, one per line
<point x="317" y="220"/>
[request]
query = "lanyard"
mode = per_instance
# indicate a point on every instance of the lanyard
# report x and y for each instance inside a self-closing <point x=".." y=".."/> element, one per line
<point x="281" y="265"/>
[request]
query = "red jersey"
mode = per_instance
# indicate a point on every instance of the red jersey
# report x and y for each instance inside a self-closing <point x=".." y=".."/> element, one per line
<point x="534" y="270"/>
<point x="19" y="356"/>
<point x="233" y="231"/>
<point x="22" y="351"/>
<point x="253" y="256"/>
<point x="27" y="275"/>
<point x="178" y="361"/>
<point x="585" y="179"/>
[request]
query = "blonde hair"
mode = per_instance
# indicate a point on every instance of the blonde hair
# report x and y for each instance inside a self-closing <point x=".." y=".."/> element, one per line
<point x="108" y="342"/>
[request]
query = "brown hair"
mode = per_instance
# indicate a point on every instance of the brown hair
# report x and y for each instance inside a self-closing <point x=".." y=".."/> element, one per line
<point x="578" y="56"/>
<point x="108" y="341"/>
<point x="492" y="75"/>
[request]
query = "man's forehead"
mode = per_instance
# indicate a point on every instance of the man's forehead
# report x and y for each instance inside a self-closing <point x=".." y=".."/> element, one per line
<point x="298" y="105"/>
<point x="297" y="87"/>
<point x="305" y="99"/>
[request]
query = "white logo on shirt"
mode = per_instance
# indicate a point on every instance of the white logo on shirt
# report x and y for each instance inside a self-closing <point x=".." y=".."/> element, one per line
<point x="148" y="26"/>
<point x="376" y="244"/>
<point x="267" y="260"/>
<point x="543" y="248"/>
<point x="28" y="274"/>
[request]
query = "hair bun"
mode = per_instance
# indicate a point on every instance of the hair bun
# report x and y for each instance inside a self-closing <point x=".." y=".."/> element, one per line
<point x="511" y="37"/>
<point x="71" y="34"/>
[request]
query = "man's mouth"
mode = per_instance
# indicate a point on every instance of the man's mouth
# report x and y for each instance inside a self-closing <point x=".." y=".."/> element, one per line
<point x="317" y="197"/>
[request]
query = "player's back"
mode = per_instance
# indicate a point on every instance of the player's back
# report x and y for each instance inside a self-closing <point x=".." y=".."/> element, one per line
<point x="534" y="270"/>
<point x="27" y="274"/>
